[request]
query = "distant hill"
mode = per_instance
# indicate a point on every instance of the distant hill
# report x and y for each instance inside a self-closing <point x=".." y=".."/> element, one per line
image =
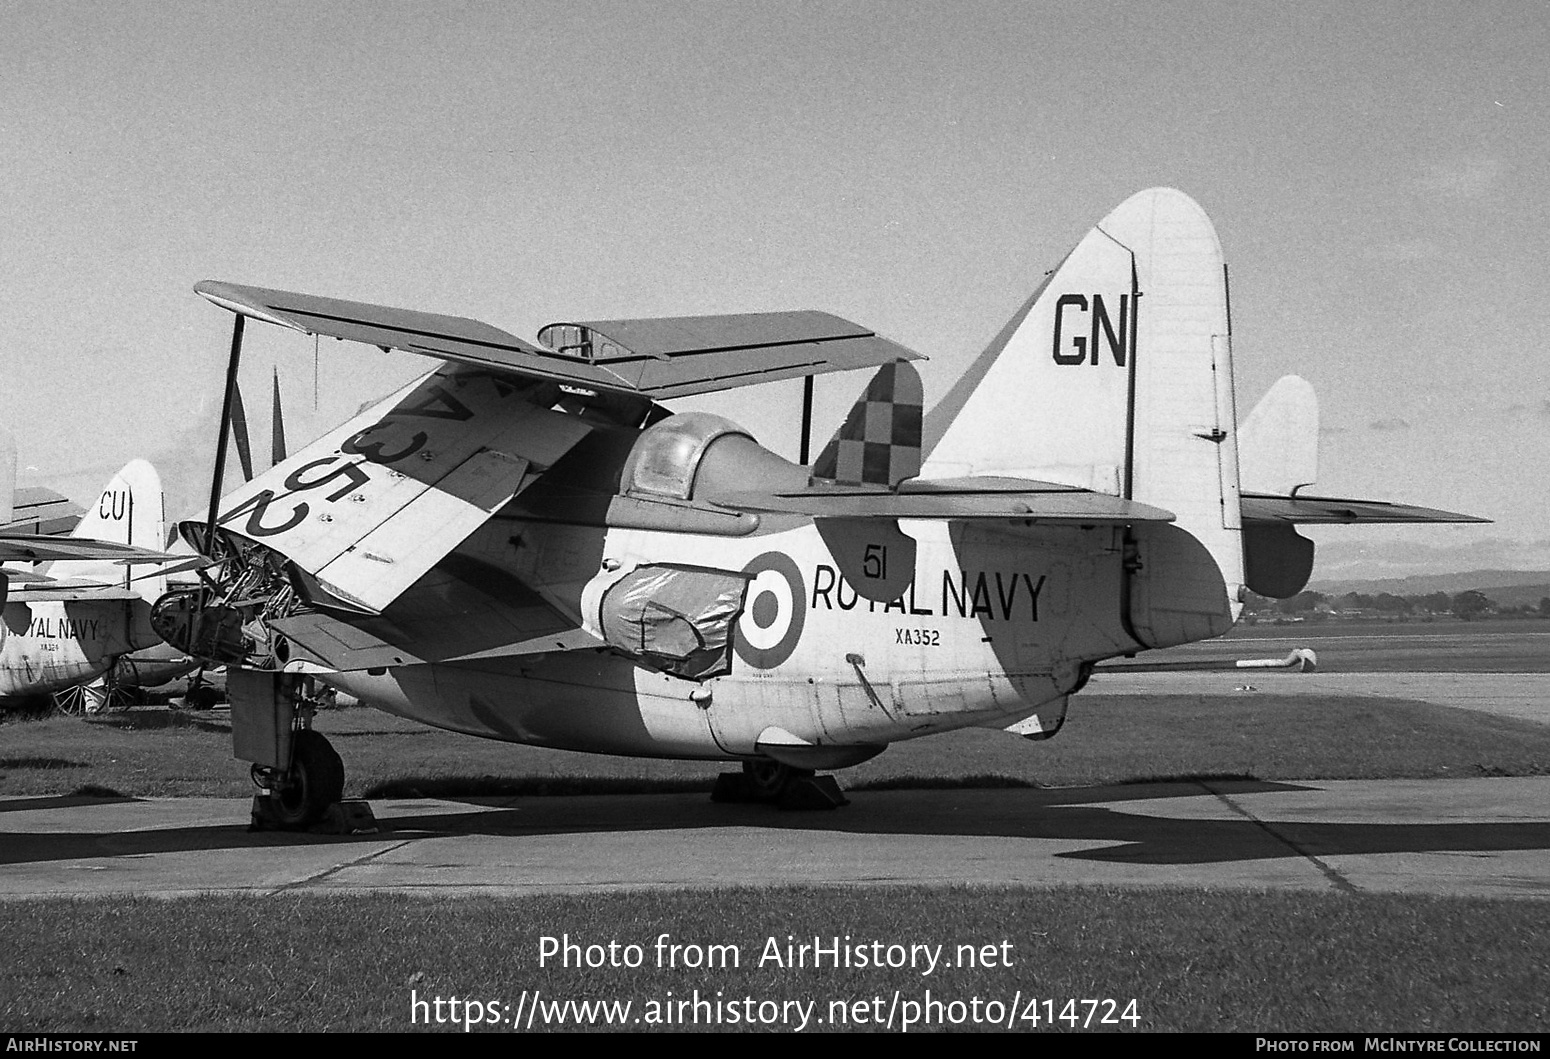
<point x="1518" y="595"/>
<point x="1507" y="587"/>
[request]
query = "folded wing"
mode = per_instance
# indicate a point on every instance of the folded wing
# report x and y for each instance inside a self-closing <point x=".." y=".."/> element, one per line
<point x="656" y="358"/>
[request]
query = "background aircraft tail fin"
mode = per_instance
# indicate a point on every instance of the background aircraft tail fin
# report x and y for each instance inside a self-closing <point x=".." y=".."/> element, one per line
<point x="1116" y="376"/>
<point x="879" y="442"/>
<point x="1278" y="444"/>
<point x="130" y="510"/>
<point x="7" y="475"/>
<point x="1278" y="454"/>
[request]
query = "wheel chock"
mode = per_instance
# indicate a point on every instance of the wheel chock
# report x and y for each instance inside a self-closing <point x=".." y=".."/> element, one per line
<point x="352" y="817"/>
<point x="730" y="787"/>
<point x="812" y="792"/>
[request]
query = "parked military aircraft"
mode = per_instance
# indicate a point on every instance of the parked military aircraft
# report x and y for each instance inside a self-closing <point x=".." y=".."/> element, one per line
<point x="69" y="623"/>
<point x="527" y="544"/>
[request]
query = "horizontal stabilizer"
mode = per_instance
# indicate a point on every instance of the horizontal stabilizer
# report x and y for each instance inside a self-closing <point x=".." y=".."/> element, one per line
<point x="1305" y="510"/>
<point x="1278" y="457"/>
<point x="951" y="500"/>
<point x="656" y="358"/>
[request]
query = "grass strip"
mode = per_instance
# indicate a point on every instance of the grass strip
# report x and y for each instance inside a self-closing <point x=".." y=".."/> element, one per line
<point x="1192" y="960"/>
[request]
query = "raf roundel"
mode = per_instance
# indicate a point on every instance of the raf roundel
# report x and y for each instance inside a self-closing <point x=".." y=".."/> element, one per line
<point x="771" y="625"/>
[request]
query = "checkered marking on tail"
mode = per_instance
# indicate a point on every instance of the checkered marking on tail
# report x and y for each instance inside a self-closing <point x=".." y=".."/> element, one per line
<point x="880" y="441"/>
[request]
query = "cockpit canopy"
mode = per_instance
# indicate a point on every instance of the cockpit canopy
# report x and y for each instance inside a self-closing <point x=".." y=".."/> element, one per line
<point x="693" y="453"/>
<point x="668" y="454"/>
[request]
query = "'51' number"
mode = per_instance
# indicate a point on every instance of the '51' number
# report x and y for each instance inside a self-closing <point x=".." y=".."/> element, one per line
<point x="874" y="566"/>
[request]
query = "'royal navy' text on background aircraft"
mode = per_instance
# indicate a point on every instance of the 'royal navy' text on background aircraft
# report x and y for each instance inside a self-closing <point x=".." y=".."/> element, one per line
<point x="527" y="545"/>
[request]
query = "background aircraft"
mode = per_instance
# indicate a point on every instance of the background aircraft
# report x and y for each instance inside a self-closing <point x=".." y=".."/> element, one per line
<point x="80" y="608"/>
<point x="132" y="510"/>
<point x="527" y="544"/>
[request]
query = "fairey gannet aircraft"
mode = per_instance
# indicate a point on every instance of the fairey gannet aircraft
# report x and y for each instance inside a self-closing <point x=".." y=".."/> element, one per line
<point x="526" y="544"/>
<point x="70" y="622"/>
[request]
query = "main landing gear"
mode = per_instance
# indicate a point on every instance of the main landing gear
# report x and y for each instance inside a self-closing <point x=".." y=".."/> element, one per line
<point x="301" y="795"/>
<point x="774" y="782"/>
<point x="299" y="776"/>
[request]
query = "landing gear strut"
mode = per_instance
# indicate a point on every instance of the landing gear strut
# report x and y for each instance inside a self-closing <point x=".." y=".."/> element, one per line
<point x="774" y="782"/>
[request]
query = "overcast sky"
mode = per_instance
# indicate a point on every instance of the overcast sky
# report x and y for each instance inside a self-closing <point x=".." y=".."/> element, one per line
<point x="1377" y="174"/>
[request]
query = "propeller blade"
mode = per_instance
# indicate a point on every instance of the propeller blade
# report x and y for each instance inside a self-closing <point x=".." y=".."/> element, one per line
<point x="232" y="362"/>
<point x="278" y="450"/>
<point x="239" y="431"/>
<point x="197" y="562"/>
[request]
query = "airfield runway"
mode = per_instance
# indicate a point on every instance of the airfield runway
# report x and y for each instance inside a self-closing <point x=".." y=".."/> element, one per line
<point x="1524" y="696"/>
<point x="1479" y="837"/>
<point x="1487" y="837"/>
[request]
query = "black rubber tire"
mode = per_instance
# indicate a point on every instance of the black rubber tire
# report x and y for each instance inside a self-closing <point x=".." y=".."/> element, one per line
<point x="315" y="781"/>
<point x="202" y="698"/>
<point x="765" y="780"/>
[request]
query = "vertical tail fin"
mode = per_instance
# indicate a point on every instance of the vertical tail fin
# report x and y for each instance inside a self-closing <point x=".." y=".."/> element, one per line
<point x="1116" y="376"/>
<point x="130" y="510"/>
<point x="877" y="445"/>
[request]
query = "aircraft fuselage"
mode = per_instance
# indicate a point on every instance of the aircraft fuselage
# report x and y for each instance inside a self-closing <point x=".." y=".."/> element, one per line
<point x="51" y="645"/>
<point x="993" y="624"/>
